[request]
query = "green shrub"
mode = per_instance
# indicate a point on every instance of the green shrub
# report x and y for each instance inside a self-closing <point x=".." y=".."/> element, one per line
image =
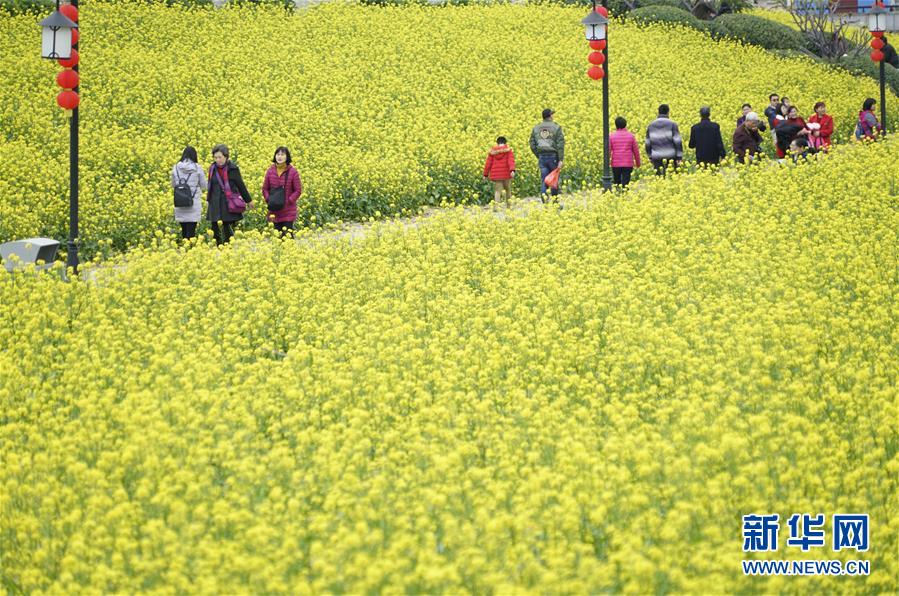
<point x="616" y="7"/>
<point x="671" y="3"/>
<point x="761" y="32"/>
<point x="732" y="6"/>
<point x="46" y="6"/>
<point x="666" y="14"/>
<point x="22" y="6"/>
<point x="714" y="28"/>
<point x="862" y="65"/>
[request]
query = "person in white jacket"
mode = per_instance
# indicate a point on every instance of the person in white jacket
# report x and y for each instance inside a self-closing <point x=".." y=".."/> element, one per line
<point x="188" y="171"/>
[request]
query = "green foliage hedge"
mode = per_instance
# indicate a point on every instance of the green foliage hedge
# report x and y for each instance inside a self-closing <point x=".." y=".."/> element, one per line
<point x="761" y="32"/>
<point x="20" y="6"/>
<point x="666" y="14"/>
<point x="862" y="65"/>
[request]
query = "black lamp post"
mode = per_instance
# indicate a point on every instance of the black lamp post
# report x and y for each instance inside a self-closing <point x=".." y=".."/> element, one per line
<point x="72" y="255"/>
<point x="596" y="29"/>
<point x="59" y="41"/>
<point x="877" y="25"/>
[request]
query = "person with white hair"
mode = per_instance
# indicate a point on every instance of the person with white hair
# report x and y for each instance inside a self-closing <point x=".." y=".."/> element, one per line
<point x="747" y="140"/>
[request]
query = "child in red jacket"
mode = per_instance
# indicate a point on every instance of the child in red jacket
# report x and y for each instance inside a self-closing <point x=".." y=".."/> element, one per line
<point x="500" y="168"/>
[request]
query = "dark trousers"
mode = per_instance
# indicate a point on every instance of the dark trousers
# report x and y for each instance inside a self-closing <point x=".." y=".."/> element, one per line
<point x="661" y="165"/>
<point x="707" y="164"/>
<point x="224" y="232"/>
<point x="547" y="162"/>
<point x="188" y="229"/>
<point x="284" y="227"/>
<point x="622" y="176"/>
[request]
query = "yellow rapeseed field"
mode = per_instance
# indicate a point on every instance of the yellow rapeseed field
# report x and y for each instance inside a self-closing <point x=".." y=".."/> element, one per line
<point x="577" y="401"/>
<point x="385" y="109"/>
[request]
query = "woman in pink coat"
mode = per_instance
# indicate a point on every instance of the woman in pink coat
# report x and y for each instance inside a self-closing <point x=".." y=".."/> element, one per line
<point x="624" y="152"/>
<point x="281" y="189"/>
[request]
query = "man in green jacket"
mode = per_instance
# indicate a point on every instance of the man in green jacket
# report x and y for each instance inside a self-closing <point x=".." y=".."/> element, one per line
<point x="548" y="144"/>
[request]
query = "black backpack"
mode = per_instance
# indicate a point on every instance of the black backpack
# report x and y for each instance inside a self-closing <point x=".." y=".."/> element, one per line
<point x="184" y="195"/>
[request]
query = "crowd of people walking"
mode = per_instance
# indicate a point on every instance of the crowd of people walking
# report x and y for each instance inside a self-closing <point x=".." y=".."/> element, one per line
<point x="228" y="198"/>
<point x="227" y="195"/>
<point x="790" y="134"/>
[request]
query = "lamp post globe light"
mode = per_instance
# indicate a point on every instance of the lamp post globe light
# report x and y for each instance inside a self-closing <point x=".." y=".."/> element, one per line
<point x="877" y="19"/>
<point x="59" y="41"/>
<point x="56" y="36"/>
<point x="596" y="26"/>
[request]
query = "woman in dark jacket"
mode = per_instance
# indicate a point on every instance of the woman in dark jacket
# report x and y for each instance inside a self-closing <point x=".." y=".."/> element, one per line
<point x="224" y="173"/>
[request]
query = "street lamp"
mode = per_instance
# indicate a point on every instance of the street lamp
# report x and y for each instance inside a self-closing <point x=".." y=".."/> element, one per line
<point x="596" y="25"/>
<point x="59" y="41"/>
<point x="56" y="36"/>
<point x="877" y="25"/>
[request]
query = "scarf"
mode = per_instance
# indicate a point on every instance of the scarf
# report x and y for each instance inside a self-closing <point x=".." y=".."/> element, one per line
<point x="222" y="171"/>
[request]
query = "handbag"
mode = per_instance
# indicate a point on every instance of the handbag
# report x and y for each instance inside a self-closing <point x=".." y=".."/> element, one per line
<point x="236" y="204"/>
<point x="276" y="199"/>
<point x="552" y="179"/>
<point x="184" y="195"/>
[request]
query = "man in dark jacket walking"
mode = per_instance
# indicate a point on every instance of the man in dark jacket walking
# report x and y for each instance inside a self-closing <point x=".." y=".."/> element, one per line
<point x="705" y="137"/>
<point x="548" y="144"/>
<point x="889" y="53"/>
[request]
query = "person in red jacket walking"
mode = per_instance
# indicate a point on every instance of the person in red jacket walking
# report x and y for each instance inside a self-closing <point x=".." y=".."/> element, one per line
<point x="624" y="152"/>
<point x="282" y="188"/>
<point x="820" y="135"/>
<point x="500" y="168"/>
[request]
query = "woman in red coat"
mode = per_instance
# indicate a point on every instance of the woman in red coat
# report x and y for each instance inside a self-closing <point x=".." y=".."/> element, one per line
<point x="500" y="168"/>
<point x="282" y="188"/>
<point x="820" y="138"/>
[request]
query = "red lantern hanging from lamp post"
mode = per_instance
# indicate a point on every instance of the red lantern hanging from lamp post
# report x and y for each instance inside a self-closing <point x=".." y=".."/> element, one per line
<point x="596" y="73"/>
<point x="68" y="100"/>
<point x="67" y="79"/>
<point x="72" y="61"/>
<point x="71" y="11"/>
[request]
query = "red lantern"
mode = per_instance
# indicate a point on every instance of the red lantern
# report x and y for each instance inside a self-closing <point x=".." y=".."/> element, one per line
<point x="877" y="56"/>
<point x="69" y="11"/>
<point x="877" y="34"/>
<point x="603" y="11"/>
<point x="877" y="43"/>
<point x="596" y="73"/>
<point x="596" y="58"/>
<point x="70" y="62"/>
<point x="68" y="100"/>
<point x="598" y="44"/>
<point x="75" y="36"/>
<point x="67" y="79"/>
